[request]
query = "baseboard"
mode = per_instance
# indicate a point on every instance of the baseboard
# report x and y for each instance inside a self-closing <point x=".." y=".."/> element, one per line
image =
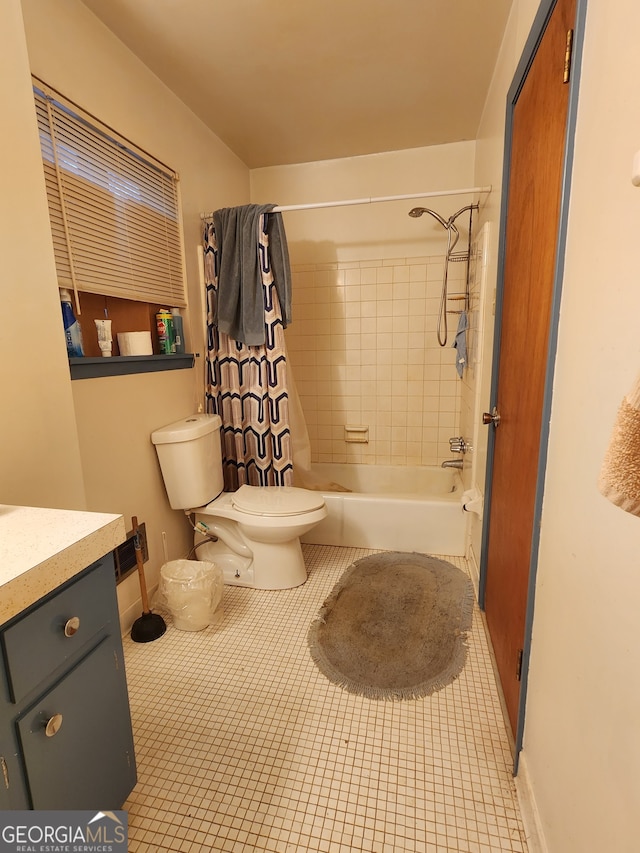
<point x="474" y="570"/>
<point x="528" y="809"/>
<point x="530" y="817"/>
<point x="129" y="615"/>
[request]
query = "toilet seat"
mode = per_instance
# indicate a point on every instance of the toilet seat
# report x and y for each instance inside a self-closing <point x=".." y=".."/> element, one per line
<point x="276" y="500"/>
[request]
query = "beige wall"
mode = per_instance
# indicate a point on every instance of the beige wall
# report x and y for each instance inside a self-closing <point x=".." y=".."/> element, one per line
<point x="116" y="416"/>
<point x="368" y="231"/>
<point x="367" y="285"/>
<point x="583" y="734"/>
<point x="101" y="426"/>
<point x="40" y="462"/>
<point x="582" y="738"/>
<point x="472" y="390"/>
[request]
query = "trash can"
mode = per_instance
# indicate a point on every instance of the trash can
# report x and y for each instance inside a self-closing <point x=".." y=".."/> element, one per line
<point x="192" y="591"/>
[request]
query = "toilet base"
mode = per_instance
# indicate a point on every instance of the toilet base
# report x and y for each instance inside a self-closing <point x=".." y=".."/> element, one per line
<point x="272" y="567"/>
<point x="236" y="571"/>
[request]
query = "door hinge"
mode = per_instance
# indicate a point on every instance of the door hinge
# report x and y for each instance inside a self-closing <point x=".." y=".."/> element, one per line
<point x="5" y="772"/>
<point x="567" y="57"/>
<point x="519" y="664"/>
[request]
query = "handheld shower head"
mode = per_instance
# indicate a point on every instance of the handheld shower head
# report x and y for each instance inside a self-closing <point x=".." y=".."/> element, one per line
<point x="453" y="235"/>
<point x="418" y="211"/>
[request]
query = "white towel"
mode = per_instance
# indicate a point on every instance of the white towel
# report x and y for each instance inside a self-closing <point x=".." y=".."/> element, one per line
<point x="619" y="479"/>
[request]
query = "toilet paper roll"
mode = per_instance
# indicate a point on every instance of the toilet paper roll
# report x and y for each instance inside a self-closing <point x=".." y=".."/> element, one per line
<point x="472" y="501"/>
<point x="135" y="343"/>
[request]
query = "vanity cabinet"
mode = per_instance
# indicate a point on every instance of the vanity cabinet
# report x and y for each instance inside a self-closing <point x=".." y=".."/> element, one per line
<point x="65" y="727"/>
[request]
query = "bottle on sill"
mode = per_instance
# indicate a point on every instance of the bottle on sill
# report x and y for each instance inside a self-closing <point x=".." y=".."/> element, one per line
<point x="164" y="326"/>
<point x="72" y="330"/>
<point x="178" y="330"/>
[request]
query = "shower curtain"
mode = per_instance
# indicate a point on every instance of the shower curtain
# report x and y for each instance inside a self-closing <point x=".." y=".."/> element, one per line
<point x="247" y="386"/>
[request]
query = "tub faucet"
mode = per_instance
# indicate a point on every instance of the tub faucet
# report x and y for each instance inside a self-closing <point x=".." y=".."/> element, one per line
<point x="459" y="445"/>
<point x="453" y="463"/>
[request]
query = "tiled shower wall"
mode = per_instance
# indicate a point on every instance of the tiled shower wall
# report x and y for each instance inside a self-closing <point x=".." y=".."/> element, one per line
<point x="364" y="352"/>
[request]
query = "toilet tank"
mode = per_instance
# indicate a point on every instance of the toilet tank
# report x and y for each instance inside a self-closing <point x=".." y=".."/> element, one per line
<point x="190" y="458"/>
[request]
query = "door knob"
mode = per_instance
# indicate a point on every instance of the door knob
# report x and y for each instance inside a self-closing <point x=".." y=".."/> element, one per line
<point x="492" y="417"/>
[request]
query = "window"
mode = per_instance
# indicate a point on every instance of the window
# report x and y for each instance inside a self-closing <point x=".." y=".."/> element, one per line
<point x="114" y="211"/>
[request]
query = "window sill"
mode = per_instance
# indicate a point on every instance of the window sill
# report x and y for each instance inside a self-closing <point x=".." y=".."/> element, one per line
<point x="122" y="365"/>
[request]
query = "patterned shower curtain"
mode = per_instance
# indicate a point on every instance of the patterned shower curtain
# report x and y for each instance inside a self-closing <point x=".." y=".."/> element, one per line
<point x="247" y="385"/>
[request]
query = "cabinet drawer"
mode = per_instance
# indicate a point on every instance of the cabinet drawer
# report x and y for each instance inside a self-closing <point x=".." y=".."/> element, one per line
<point x="45" y="638"/>
<point x="76" y="740"/>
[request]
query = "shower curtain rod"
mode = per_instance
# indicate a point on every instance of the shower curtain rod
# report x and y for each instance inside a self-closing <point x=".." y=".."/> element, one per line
<point x="370" y="200"/>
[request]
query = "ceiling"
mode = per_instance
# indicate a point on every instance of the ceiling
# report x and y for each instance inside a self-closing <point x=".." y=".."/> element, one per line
<point x="292" y="81"/>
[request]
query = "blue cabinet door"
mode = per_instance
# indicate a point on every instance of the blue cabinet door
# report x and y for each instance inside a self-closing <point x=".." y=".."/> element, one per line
<point x="76" y="739"/>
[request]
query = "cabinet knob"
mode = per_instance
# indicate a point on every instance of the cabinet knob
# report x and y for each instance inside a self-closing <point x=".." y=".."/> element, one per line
<point x="53" y="725"/>
<point x="71" y="626"/>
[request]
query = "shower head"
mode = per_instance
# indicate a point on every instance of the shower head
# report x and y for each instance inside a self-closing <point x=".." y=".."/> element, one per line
<point x="448" y="225"/>
<point x="418" y="211"/>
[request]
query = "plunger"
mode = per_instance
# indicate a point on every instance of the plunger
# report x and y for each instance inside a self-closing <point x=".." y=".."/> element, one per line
<point x="150" y="626"/>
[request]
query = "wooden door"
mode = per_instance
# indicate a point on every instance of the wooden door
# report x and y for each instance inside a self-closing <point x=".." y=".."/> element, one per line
<point x="534" y="196"/>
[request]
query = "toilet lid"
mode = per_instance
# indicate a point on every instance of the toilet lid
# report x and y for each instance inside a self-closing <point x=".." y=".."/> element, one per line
<point x="276" y="500"/>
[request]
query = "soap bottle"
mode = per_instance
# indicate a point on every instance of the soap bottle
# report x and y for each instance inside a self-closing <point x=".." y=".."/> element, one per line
<point x="178" y="330"/>
<point x="72" y="330"/>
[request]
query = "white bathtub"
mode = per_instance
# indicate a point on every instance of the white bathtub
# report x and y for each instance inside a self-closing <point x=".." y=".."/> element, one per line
<point x="393" y="507"/>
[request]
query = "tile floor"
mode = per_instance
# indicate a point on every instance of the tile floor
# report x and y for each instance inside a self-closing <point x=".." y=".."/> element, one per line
<point x="243" y="745"/>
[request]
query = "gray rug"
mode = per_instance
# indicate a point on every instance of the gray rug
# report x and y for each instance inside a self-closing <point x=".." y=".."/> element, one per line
<point x="394" y="626"/>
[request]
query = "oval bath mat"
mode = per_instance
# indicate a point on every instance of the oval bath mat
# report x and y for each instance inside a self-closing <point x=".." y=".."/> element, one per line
<point x="394" y="626"/>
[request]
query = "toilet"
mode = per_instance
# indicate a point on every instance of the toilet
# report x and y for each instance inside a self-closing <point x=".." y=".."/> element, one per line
<point x="257" y="529"/>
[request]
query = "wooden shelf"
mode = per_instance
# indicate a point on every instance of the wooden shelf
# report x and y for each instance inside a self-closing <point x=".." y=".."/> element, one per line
<point x="122" y="365"/>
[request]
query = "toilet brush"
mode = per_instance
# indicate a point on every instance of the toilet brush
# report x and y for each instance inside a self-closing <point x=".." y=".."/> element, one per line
<point x="150" y="626"/>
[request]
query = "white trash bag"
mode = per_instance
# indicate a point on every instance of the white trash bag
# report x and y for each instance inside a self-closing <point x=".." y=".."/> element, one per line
<point x="191" y="590"/>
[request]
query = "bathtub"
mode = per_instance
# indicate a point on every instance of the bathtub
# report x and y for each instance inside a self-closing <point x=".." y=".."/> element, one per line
<point x="392" y="507"/>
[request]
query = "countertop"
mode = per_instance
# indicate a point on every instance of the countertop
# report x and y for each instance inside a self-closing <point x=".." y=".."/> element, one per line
<point x="42" y="548"/>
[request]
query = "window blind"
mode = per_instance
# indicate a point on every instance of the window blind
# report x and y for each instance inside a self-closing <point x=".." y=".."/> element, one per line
<point x="114" y="213"/>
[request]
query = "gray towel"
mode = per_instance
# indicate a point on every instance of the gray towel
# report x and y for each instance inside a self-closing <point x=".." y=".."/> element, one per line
<point x="460" y="343"/>
<point x="240" y="303"/>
